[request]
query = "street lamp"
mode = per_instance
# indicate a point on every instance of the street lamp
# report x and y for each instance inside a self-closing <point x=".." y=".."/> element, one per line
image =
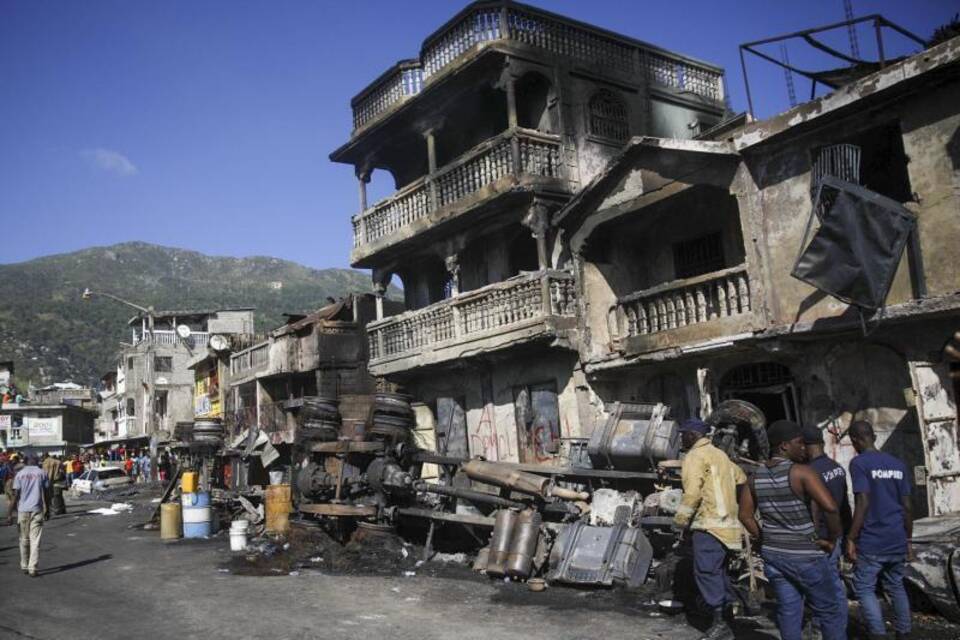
<point x="148" y="365"/>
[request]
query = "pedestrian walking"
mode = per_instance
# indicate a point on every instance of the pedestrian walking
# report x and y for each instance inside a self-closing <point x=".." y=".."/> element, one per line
<point x="879" y="539"/>
<point x="835" y="478"/>
<point x="145" y="467"/>
<point x="709" y="508"/>
<point x="29" y="490"/>
<point x="55" y="478"/>
<point x="6" y="482"/>
<point x="13" y="467"/>
<point x="796" y="562"/>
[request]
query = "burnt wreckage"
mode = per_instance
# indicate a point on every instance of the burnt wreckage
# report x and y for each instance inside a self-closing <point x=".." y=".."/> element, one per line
<point x="600" y="523"/>
<point x="592" y="249"/>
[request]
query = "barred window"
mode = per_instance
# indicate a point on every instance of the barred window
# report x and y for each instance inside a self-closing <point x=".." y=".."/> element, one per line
<point x="608" y="116"/>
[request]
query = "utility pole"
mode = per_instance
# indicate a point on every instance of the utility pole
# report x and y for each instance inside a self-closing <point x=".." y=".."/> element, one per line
<point x="148" y="409"/>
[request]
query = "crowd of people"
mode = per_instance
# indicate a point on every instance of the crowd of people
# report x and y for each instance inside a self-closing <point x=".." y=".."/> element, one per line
<point x="794" y="509"/>
<point x="33" y="487"/>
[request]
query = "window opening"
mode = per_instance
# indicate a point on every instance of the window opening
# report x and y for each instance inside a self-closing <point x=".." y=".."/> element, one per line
<point x="163" y="364"/>
<point x="698" y="256"/>
<point x="608" y="117"/>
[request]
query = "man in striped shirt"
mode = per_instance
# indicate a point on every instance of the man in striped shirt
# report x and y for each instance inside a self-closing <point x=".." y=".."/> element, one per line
<point x="795" y="559"/>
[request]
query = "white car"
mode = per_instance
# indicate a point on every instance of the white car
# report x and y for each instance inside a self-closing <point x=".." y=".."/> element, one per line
<point x="96" y="480"/>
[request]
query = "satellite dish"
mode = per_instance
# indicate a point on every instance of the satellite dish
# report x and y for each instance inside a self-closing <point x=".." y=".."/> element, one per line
<point x="183" y="331"/>
<point x="219" y="343"/>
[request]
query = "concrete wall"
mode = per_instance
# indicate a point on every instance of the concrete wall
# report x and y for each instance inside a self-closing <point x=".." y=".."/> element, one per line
<point x="231" y="322"/>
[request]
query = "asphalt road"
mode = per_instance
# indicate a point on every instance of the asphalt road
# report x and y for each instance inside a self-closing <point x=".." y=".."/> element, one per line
<point x="101" y="577"/>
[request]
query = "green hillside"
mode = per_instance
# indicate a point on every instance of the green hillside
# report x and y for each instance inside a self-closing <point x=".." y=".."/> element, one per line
<point x="53" y="335"/>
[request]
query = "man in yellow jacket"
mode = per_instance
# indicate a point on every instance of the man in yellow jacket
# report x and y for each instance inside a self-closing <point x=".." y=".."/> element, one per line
<point x="709" y="509"/>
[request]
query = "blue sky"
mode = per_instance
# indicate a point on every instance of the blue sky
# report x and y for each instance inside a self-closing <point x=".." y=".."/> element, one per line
<point x="207" y="125"/>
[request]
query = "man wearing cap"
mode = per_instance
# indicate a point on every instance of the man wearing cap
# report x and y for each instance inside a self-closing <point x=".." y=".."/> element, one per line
<point x="879" y="538"/>
<point x="709" y="508"/>
<point x="796" y="562"/>
<point x="835" y="478"/>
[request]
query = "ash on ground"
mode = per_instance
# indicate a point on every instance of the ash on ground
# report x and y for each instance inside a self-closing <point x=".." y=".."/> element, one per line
<point x="365" y="552"/>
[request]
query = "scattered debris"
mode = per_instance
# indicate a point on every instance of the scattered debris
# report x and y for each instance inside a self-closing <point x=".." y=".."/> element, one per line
<point x="114" y="509"/>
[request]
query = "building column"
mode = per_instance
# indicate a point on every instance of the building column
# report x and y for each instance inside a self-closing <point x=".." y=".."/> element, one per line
<point x="452" y="263"/>
<point x="381" y="280"/>
<point x="429" y="135"/>
<point x="537" y="220"/>
<point x="363" y="179"/>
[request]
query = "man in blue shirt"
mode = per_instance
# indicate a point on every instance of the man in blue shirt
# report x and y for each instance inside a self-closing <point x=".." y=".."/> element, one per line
<point x="879" y="538"/>
<point x="29" y="492"/>
<point x="836" y="480"/>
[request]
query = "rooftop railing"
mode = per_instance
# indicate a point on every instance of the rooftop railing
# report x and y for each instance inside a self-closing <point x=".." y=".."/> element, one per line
<point x="250" y="359"/>
<point x="196" y="340"/>
<point x="507" y="22"/>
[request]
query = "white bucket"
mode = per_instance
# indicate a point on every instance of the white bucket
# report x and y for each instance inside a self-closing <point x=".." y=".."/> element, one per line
<point x="276" y="477"/>
<point x="239" y="526"/>
<point x="238" y="540"/>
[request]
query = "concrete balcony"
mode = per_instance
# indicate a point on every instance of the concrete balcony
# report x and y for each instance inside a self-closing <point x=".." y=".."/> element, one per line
<point x="519" y="157"/>
<point x="511" y="26"/>
<point x="524" y="308"/>
<point x="683" y="312"/>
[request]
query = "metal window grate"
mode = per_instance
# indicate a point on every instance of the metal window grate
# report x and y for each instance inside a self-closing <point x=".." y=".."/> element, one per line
<point x="760" y="374"/>
<point x="608" y="116"/>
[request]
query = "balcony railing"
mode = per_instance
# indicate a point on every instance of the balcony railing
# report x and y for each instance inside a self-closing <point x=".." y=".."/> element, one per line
<point x="536" y="154"/>
<point x="196" y="340"/>
<point x="250" y="359"/>
<point x="682" y="303"/>
<point x="504" y="22"/>
<point x="492" y="309"/>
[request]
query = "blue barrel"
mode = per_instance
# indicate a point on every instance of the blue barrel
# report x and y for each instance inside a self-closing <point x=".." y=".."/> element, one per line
<point x="196" y="514"/>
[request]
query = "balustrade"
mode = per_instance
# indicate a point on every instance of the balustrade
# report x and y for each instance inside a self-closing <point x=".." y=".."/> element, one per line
<point x="196" y="340"/>
<point x="481" y="166"/>
<point x="505" y="22"/>
<point x="250" y="359"/>
<point x="684" y="303"/>
<point x="498" y="306"/>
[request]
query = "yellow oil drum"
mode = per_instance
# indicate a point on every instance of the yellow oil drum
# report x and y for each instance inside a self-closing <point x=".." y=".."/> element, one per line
<point x="277" y="500"/>
<point x="188" y="484"/>
<point x="169" y="521"/>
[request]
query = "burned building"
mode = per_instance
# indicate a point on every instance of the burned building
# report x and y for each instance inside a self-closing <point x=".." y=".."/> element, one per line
<point x="321" y="353"/>
<point x="507" y="112"/>
<point x="800" y="263"/>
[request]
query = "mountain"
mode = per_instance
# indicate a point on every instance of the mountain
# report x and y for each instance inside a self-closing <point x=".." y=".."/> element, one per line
<point x="53" y="335"/>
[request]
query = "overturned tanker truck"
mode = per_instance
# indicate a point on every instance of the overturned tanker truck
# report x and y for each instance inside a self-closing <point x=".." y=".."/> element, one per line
<point x="602" y="522"/>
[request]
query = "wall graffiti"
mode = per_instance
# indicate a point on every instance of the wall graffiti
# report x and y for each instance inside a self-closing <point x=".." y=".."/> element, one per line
<point x="487" y="441"/>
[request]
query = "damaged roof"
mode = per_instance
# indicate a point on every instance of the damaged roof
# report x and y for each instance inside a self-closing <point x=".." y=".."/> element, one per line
<point x="342" y="310"/>
<point x="901" y="76"/>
